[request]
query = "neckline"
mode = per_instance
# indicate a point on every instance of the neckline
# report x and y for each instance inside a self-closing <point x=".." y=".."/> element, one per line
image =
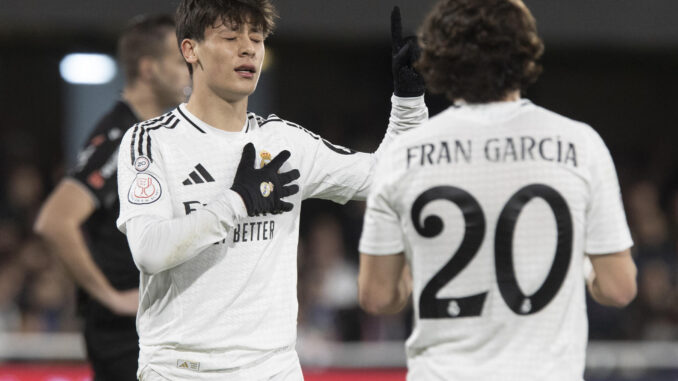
<point x="205" y="127"/>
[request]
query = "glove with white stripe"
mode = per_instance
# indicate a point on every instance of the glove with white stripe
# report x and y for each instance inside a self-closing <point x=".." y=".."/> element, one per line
<point x="404" y="53"/>
<point x="262" y="189"/>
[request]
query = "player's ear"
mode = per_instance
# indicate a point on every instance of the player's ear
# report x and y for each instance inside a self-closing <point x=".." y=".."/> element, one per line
<point x="189" y="50"/>
<point x="146" y="64"/>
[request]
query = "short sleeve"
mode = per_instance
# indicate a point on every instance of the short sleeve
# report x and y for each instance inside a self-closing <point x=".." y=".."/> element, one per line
<point x="606" y="228"/>
<point x="142" y="185"/>
<point x="382" y="231"/>
<point x="97" y="164"/>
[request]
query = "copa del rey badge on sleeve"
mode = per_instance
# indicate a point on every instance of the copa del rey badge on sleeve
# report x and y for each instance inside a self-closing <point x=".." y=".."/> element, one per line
<point x="145" y="189"/>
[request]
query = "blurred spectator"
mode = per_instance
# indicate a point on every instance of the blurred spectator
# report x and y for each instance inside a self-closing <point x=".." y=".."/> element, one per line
<point x="34" y="257"/>
<point x="34" y="290"/>
<point x="669" y="202"/>
<point x="46" y="296"/>
<point x="654" y="313"/>
<point x="10" y="237"/>
<point x="11" y="283"/>
<point x="49" y="305"/>
<point x="648" y="221"/>
<point x="329" y="291"/>
<point x="25" y="191"/>
<point x="329" y="288"/>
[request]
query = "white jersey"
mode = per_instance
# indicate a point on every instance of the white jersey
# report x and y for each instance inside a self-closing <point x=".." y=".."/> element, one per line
<point x="231" y="309"/>
<point x="494" y="206"/>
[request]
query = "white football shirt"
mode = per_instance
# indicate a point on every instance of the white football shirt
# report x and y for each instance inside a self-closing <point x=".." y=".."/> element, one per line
<point x="494" y="206"/>
<point x="231" y="309"/>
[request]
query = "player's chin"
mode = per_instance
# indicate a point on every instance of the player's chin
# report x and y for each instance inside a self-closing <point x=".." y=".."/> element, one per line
<point x="246" y="86"/>
<point x="246" y="91"/>
<point x="235" y="94"/>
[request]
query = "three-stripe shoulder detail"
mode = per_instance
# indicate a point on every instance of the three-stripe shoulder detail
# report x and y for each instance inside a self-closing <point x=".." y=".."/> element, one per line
<point x="141" y="143"/>
<point x="271" y="118"/>
<point x="254" y="121"/>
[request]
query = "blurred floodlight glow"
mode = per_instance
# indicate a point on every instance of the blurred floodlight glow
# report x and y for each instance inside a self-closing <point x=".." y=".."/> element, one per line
<point x="87" y="68"/>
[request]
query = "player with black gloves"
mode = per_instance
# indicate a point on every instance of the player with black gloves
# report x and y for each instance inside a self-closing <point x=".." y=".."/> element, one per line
<point x="202" y="189"/>
<point x="405" y="52"/>
<point x="262" y="189"/>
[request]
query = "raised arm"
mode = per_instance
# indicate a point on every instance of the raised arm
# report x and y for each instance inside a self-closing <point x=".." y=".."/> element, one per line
<point x="408" y="109"/>
<point x="340" y="174"/>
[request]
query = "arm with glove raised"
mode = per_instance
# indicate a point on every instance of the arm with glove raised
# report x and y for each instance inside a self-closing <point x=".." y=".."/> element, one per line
<point x="408" y="109"/>
<point x="343" y="174"/>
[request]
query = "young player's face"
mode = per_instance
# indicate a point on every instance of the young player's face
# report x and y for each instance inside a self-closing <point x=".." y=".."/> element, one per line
<point x="230" y="59"/>
<point x="170" y="76"/>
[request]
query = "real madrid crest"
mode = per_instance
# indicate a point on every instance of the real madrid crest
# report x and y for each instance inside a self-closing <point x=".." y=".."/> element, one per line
<point x="265" y="158"/>
<point x="266" y="188"/>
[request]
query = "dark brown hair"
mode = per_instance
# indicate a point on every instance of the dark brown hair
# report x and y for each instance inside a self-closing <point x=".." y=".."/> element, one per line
<point x="479" y="50"/>
<point x="144" y="36"/>
<point x="194" y="16"/>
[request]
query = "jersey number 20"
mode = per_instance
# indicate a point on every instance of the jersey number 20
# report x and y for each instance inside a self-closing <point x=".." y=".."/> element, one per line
<point x="431" y="307"/>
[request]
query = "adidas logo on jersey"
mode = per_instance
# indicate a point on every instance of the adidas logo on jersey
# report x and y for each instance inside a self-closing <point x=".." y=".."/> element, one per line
<point x="186" y="364"/>
<point x="199" y="176"/>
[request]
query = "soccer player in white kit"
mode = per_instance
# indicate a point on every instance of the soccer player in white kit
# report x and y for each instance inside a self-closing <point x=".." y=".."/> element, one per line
<point x="487" y="212"/>
<point x="213" y="226"/>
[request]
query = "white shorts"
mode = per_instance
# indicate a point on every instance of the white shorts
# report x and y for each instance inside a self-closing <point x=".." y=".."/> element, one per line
<point x="150" y="375"/>
<point x="292" y="372"/>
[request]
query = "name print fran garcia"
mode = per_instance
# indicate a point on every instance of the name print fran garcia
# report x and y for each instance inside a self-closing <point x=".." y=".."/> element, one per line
<point x="494" y="150"/>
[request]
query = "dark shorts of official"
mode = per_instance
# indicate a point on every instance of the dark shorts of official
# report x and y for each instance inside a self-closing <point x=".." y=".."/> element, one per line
<point x="113" y="350"/>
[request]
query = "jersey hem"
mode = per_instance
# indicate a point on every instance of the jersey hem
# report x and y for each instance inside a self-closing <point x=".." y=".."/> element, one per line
<point x="381" y="249"/>
<point x="607" y="249"/>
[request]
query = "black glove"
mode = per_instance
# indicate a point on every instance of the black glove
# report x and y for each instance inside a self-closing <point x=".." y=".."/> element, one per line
<point x="404" y="53"/>
<point x="262" y="189"/>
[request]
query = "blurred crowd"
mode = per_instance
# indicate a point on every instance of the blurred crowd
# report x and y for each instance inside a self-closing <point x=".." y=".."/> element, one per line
<point x="652" y="212"/>
<point x="37" y="295"/>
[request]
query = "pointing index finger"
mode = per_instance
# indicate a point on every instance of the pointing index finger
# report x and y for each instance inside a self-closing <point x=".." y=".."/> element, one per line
<point x="396" y="28"/>
<point x="248" y="154"/>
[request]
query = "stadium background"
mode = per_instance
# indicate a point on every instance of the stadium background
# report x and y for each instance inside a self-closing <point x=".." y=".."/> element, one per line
<point x="610" y="63"/>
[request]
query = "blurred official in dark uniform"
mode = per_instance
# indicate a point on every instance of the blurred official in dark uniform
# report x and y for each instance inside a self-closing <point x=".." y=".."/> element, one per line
<point x="97" y="256"/>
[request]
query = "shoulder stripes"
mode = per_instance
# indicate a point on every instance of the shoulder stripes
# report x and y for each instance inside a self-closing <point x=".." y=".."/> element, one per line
<point x="131" y="146"/>
<point x="253" y="121"/>
<point x="250" y="117"/>
<point x="336" y="148"/>
<point x="275" y="118"/>
<point x="141" y="147"/>
<point x="271" y="118"/>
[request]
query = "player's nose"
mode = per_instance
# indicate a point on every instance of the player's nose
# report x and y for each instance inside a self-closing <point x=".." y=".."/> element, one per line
<point x="247" y="48"/>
